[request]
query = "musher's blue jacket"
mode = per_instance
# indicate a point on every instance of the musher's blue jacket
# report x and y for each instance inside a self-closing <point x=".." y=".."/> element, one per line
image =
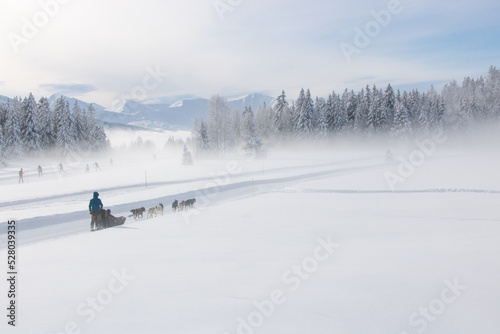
<point x="95" y="203"/>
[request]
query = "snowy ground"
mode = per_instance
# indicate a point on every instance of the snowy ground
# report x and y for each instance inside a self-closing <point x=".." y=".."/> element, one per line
<point x="323" y="243"/>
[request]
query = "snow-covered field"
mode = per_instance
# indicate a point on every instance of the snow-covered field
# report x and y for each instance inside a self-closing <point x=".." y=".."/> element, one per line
<point x="339" y="241"/>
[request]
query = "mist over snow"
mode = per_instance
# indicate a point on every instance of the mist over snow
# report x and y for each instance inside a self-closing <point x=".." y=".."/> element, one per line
<point x="308" y="239"/>
<point x="264" y="167"/>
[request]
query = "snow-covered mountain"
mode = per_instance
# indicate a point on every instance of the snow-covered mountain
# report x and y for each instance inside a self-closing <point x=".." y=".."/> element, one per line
<point x="177" y="116"/>
<point x="3" y="99"/>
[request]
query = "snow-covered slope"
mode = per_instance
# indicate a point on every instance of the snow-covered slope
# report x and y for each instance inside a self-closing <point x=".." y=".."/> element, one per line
<point x="297" y="243"/>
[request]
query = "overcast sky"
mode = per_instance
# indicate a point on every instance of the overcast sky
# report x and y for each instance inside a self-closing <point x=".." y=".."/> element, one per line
<point x="162" y="50"/>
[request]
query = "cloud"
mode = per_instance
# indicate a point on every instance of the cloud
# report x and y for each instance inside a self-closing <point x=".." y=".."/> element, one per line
<point x="68" y="89"/>
<point x="259" y="46"/>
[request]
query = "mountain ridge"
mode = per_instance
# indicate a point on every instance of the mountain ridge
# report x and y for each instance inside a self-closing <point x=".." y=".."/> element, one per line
<point x="176" y="116"/>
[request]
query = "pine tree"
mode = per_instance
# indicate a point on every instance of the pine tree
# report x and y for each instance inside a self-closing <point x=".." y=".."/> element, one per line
<point x="202" y="142"/>
<point x="322" y="110"/>
<point x="361" y="114"/>
<point x="305" y="116"/>
<point x="97" y="139"/>
<point x="413" y="106"/>
<point x="187" y="159"/>
<point x="297" y="110"/>
<point x="340" y="114"/>
<point x="29" y="129"/>
<point x="65" y="144"/>
<point x="251" y="138"/>
<point x="2" y="147"/>
<point x="46" y="124"/>
<point x="3" y="115"/>
<point x="78" y="128"/>
<point x="279" y="119"/>
<point x="374" y="119"/>
<point x="402" y="123"/>
<point x="424" y="124"/>
<point x="388" y="108"/>
<point x="13" y="141"/>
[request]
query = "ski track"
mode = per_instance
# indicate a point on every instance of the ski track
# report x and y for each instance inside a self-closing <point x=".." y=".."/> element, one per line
<point x="41" y="228"/>
<point x="416" y="191"/>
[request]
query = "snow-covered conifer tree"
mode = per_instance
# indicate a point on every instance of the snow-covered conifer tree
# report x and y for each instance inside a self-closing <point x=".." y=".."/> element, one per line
<point x="402" y="122"/>
<point x="78" y="128"/>
<point x="251" y="138"/>
<point x="29" y="129"/>
<point x="375" y="112"/>
<point x="2" y="147"/>
<point x="202" y="142"/>
<point x="389" y="102"/>
<point x="46" y="124"/>
<point x="279" y="120"/>
<point x="13" y="141"/>
<point x="322" y="113"/>
<point x="305" y="116"/>
<point x="65" y="143"/>
<point x="361" y="113"/>
<point x="187" y="159"/>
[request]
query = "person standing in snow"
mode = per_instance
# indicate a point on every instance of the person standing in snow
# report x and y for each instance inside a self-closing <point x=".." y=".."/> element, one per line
<point x="40" y="171"/>
<point x="95" y="206"/>
<point x="21" y="176"/>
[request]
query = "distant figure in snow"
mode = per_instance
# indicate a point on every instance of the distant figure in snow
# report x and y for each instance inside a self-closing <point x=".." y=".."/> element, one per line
<point x="96" y="166"/>
<point x="61" y="168"/>
<point x="40" y="171"/>
<point x="21" y="176"/>
<point x="111" y="162"/>
<point x="87" y="169"/>
<point x="95" y="206"/>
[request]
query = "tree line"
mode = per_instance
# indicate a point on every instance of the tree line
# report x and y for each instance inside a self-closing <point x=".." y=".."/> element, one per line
<point x="369" y="113"/>
<point x="31" y="128"/>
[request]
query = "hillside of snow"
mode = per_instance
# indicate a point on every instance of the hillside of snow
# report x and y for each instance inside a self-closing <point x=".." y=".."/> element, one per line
<point x="300" y="242"/>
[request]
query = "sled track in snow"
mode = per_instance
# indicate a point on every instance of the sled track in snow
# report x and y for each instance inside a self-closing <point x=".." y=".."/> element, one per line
<point x="349" y="191"/>
<point x="60" y="225"/>
<point x="140" y="186"/>
<point x="52" y="226"/>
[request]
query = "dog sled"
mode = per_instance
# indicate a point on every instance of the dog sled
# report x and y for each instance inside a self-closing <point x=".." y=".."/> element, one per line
<point x="108" y="220"/>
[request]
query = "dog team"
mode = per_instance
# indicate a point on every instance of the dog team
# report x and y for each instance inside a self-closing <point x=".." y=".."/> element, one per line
<point x="101" y="218"/>
<point x="158" y="210"/>
<point x="187" y="204"/>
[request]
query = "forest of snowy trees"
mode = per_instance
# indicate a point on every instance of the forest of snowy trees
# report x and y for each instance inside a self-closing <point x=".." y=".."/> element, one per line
<point x="30" y="128"/>
<point x="369" y="113"/>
